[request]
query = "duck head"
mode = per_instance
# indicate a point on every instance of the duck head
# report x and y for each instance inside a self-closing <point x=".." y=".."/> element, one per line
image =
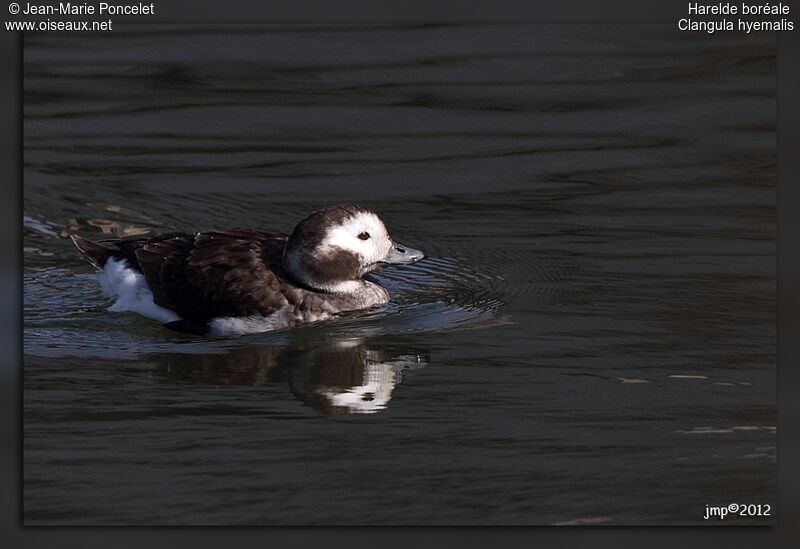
<point x="333" y="248"/>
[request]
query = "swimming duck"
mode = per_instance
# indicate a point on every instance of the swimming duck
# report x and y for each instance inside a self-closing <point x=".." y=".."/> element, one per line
<point x="235" y="282"/>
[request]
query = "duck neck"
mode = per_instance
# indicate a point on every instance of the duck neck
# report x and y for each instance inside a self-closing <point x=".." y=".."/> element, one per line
<point x="304" y="274"/>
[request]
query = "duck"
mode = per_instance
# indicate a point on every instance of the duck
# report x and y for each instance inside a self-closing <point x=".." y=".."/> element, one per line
<point x="241" y="281"/>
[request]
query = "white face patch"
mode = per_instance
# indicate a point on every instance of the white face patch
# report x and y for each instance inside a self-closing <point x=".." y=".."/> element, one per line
<point x="364" y="234"/>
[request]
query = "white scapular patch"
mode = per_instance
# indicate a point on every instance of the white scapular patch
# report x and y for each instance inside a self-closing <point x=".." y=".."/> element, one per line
<point x="130" y="290"/>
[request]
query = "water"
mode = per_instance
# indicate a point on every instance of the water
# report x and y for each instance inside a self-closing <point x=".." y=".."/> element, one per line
<point x="592" y="339"/>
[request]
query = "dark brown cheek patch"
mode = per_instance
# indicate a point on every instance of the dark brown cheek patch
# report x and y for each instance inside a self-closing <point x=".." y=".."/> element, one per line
<point x="337" y="264"/>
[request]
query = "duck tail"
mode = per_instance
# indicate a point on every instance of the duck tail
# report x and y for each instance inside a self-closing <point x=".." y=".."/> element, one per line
<point x="95" y="253"/>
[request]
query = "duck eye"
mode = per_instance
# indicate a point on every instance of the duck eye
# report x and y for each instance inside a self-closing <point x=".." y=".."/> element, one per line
<point x="364" y="236"/>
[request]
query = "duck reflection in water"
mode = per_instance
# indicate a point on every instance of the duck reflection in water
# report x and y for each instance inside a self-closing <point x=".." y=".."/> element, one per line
<point x="344" y="376"/>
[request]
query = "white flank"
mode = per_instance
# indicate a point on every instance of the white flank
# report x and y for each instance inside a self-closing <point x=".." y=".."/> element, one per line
<point x="255" y="324"/>
<point x="130" y="290"/>
<point x="226" y="326"/>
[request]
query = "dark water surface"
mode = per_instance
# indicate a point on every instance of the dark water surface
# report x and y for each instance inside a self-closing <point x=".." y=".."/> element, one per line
<point x="592" y="338"/>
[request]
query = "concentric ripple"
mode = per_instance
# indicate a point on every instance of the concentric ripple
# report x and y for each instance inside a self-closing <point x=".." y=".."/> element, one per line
<point x="65" y="312"/>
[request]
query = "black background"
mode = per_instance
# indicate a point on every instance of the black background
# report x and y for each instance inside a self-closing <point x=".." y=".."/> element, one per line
<point x="574" y="11"/>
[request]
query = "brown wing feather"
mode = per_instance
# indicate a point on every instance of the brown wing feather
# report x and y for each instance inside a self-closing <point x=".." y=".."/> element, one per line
<point x="230" y="273"/>
<point x="204" y="275"/>
<point x="153" y="255"/>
